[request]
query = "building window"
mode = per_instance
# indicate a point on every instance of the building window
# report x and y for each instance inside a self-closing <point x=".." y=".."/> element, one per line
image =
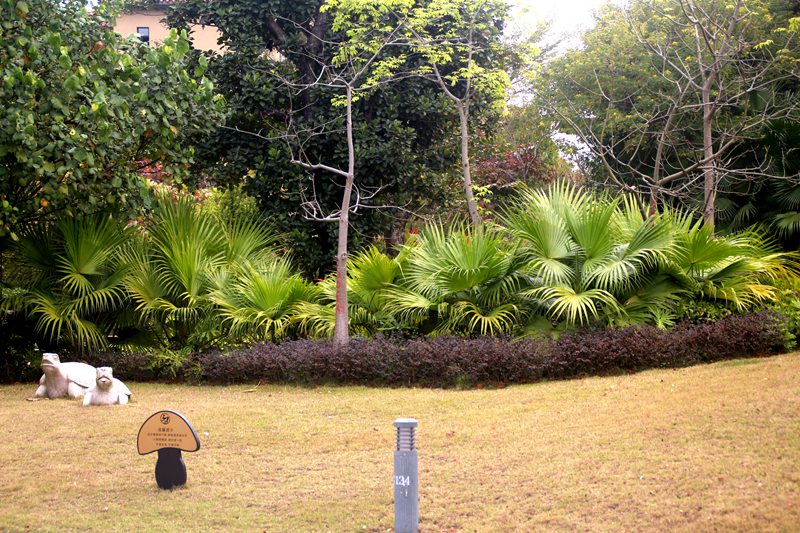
<point x="144" y="33"/>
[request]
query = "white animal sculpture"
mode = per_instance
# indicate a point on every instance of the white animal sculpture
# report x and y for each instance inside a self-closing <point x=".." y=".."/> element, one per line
<point x="64" y="379"/>
<point x="107" y="390"/>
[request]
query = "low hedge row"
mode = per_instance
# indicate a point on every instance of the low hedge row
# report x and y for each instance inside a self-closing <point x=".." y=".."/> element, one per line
<point x="456" y="361"/>
<point x="450" y="361"/>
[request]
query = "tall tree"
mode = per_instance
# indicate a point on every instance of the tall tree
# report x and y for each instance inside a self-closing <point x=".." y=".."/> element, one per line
<point x="402" y="141"/>
<point x="357" y="67"/>
<point x="670" y="95"/>
<point x="460" y="41"/>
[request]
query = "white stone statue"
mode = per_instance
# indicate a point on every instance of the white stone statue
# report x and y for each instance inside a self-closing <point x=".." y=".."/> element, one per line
<point x="64" y="379"/>
<point x="107" y="390"/>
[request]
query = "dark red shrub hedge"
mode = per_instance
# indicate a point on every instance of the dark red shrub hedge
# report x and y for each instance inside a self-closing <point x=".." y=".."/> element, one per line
<point x="449" y="361"/>
<point x="133" y="366"/>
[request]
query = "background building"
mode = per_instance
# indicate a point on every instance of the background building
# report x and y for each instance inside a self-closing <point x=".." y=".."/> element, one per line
<point x="147" y="24"/>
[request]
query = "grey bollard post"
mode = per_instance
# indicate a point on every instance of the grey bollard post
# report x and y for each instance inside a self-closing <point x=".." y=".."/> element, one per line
<point x="406" y="479"/>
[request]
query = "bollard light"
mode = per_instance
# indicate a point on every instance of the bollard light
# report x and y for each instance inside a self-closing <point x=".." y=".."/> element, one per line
<point x="406" y="434"/>
<point x="406" y="479"/>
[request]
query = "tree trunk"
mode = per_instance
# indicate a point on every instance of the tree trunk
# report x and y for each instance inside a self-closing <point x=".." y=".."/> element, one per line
<point x="653" y="209"/>
<point x="473" y="208"/>
<point x="709" y="169"/>
<point x="341" y="333"/>
<point x="395" y="235"/>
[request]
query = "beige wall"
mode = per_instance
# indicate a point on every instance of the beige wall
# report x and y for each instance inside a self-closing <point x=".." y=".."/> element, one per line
<point x="203" y="37"/>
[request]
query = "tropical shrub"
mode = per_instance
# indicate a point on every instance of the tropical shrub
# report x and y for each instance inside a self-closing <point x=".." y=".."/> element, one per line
<point x="597" y="259"/>
<point x="199" y="279"/>
<point x="371" y="275"/>
<point x="75" y="287"/>
<point x="466" y="280"/>
<point x="561" y="258"/>
<point x="262" y="301"/>
<point x="593" y="258"/>
<point x="739" y="269"/>
<point x="198" y="276"/>
<point x="169" y="274"/>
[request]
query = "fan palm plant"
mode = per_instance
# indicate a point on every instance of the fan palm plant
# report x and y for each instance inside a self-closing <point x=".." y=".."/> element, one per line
<point x="735" y="268"/>
<point x="786" y="222"/>
<point x="261" y="300"/>
<point x="169" y="268"/>
<point x="77" y="279"/>
<point x="371" y="275"/>
<point x="465" y="280"/>
<point x="773" y="202"/>
<point x="591" y="258"/>
<point x="596" y="258"/>
<point x="199" y="278"/>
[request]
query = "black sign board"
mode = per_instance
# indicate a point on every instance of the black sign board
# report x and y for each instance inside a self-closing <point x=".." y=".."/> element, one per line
<point x="168" y="432"/>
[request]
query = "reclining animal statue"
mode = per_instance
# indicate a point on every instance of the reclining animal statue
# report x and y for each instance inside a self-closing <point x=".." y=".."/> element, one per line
<point x="107" y="390"/>
<point x="64" y="379"/>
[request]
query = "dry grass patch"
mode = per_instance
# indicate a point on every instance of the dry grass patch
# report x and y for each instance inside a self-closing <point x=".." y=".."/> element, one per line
<point x="710" y="448"/>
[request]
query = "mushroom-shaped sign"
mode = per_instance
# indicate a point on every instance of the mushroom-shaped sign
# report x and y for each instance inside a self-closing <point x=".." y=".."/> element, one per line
<point x="168" y="432"/>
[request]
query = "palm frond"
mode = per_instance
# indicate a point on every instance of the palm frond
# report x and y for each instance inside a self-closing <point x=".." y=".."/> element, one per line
<point x="494" y="321"/>
<point x="565" y="303"/>
<point x="788" y="194"/>
<point x="786" y="224"/>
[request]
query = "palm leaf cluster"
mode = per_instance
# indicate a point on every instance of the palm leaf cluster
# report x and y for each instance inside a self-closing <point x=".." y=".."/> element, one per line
<point x="558" y="258"/>
<point x="187" y="278"/>
<point x="76" y="284"/>
<point x="197" y="279"/>
<point x="591" y="257"/>
<point x="462" y="280"/>
<point x="371" y="274"/>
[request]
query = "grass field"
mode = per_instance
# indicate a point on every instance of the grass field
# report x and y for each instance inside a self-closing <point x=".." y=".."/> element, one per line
<point x="708" y="448"/>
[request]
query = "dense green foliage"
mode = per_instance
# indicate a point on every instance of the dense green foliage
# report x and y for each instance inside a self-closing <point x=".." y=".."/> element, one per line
<point x="679" y="99"/>
<point x="82" y="110"/>
<point x="74" y="279"/>
<point x="200" y="277"/>
<point x="405" y="133"/>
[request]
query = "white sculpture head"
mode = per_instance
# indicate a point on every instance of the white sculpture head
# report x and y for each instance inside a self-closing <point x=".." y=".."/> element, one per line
<point x="105" y="377"/>
<point x="50" y="362"/>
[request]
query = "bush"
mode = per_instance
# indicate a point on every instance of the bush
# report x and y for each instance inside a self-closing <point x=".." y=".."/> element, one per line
<point x="450" y="361"/>
<point x="735" y="336"/>
<point x="641" y="347"/>
<point x="787" y="304"/>
<point x="19" y="360"/>
<point x="133" y="366"/>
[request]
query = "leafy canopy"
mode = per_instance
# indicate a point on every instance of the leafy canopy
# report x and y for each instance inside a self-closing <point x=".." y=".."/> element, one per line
<point x="82" y="110"/>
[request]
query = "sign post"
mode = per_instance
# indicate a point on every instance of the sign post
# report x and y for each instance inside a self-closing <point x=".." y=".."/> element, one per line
<point x="168" y="432"/>
<point x="406" y="478"/>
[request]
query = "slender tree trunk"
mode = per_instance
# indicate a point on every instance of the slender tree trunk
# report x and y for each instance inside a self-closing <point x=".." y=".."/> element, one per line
<point x="653" y="209"/>
<point x="709" y="169"/>
<point x="467" y="176"/>
<point x="662" y="140"/>
<point x="341" y="333"/>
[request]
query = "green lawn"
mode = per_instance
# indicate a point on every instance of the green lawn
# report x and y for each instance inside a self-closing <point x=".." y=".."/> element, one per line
<point x="714" y="448"/>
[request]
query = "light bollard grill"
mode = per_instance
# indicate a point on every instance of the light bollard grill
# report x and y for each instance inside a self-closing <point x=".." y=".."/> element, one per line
<point x="406" y="479"/>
